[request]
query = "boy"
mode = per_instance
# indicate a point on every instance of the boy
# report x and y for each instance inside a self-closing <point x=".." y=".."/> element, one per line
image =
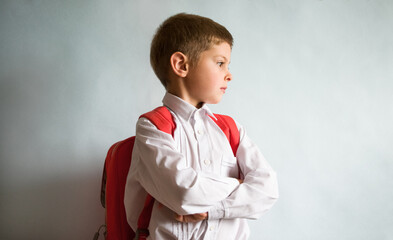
<point x="193" y="175"/>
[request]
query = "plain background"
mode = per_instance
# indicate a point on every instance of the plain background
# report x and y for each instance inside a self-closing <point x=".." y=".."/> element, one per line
<point x="313" y="85"/>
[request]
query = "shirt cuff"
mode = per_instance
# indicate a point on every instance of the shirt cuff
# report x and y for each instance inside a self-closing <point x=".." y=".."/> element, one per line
<point x="217" y="212"/>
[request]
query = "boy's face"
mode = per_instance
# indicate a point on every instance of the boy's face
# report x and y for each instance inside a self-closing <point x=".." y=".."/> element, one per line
<point x="207" y="80"/>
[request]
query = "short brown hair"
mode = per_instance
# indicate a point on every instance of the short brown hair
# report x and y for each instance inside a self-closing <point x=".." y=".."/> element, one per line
<point x="187" y="33"/>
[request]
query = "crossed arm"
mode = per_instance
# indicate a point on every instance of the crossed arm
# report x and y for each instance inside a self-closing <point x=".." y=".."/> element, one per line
<point x="197" y="217"/>
<point x="163" y="174"/>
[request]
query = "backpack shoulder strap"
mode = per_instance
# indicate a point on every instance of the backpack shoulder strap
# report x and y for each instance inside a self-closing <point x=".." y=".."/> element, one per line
<point x="162" y="118"/>
<point x="229" y="127"/>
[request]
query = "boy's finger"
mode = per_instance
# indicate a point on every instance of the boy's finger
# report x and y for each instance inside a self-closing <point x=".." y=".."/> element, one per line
<point x="179" y="218"/>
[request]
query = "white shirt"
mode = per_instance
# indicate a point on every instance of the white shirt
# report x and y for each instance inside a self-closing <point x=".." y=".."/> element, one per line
<point x="195" y="172"/>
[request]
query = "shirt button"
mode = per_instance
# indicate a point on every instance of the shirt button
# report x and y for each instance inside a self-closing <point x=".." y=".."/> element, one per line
<point x="199" y="131"/>
<point x="211" y="228"/>
<point x="207" y="162"/>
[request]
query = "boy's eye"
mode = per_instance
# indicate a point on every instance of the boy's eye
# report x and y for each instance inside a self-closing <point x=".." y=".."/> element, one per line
<point x="220" y="63"/>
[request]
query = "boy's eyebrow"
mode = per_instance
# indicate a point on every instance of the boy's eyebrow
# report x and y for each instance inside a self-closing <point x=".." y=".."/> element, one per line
<point x="222" y="57"/>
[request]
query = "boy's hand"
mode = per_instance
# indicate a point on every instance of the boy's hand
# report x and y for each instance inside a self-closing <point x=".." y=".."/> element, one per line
<point x="197" y="217"/>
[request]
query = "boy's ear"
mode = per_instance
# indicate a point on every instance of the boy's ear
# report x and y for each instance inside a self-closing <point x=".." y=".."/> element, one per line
<point x="179" y="64"/>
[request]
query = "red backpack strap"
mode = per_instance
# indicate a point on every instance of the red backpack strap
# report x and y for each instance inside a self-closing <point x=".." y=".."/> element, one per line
<point x="162" y="118"/>
<point x="229" y="127"/>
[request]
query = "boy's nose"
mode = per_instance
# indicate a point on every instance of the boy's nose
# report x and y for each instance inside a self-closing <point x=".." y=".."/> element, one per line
<point x="228" y="77"/>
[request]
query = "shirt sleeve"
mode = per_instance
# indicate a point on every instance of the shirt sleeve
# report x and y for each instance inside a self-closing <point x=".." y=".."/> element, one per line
<point x="161" y="170"/>
<point x="257" y="193"/>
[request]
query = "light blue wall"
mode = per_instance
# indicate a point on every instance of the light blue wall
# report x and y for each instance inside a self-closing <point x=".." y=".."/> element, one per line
<point x="313" y="84"/>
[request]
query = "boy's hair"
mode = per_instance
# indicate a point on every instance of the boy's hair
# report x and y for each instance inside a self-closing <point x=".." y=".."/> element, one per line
<point x="187" y="33"/>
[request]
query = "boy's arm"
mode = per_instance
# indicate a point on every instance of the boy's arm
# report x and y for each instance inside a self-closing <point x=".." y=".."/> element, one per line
<point x="161" y="170"/>
<point x="259" y="190"/>
<point x="197" y="216"/>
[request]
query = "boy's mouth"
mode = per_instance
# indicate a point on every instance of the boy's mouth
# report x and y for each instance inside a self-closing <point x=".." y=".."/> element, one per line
<point x="223" y="89"/>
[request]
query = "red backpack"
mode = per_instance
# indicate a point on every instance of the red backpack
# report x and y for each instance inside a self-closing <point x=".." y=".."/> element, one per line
<point x="117" y="164"/>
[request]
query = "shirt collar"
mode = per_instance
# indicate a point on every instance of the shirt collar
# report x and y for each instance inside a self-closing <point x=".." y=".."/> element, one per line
<point x="182" y="108"/>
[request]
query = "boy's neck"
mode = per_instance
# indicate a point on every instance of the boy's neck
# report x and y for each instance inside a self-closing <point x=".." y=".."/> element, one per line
<point x="184" y="97"/>
<point x="176" y="87"/>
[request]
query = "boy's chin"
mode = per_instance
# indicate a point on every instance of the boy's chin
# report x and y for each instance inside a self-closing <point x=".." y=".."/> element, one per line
<point x="214" y="101"/>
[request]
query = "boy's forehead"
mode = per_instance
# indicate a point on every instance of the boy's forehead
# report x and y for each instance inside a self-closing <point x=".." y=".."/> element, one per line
<point x="220" y="50"/>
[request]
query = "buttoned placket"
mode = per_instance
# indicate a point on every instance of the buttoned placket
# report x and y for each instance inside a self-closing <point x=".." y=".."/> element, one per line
<point x="203" y="141"/>
<point x="204" y="152"/>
